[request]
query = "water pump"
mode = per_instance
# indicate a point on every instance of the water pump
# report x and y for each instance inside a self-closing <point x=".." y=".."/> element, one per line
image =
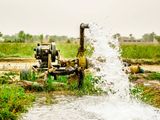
<point x="46" y="54"/>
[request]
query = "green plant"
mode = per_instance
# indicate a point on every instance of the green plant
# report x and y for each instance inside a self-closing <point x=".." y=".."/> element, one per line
<point x="27" y="74"/>
<point x="137" y="91"/>
<point x="88" y="87"/>
<point x="148" y="94"/>
<point x="48" y="84"/>
<point x="14" y="101"/>
<point x="140" y="51"/>
<point x="17" y="49"/>
<point x="132" y="78"/>
<point x="4" y="79"/>
<point x="67" y="50"/>
<point x="153" y="76"/>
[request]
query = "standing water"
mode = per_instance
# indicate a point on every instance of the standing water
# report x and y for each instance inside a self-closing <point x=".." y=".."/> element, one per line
<point x="117" y="105"/>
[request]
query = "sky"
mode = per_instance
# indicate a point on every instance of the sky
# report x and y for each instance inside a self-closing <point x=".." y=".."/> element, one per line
<point x="63" y="17"/>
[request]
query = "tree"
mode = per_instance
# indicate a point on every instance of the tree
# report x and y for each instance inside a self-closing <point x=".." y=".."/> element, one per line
<point x="157" y="38"/>
<point x="21" y="36"/>
<point x="41" y="37"/>
<point x="149" y="37"/>
<point x="7" y="38"/>
<point x="28" y="38"/>
<point x="131" y="37"/>
<point x="1" y="34"/>
<point x="51" y="38"/>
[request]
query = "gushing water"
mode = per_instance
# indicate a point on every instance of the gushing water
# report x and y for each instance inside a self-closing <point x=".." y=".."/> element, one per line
<point x="107" y="63"/>
<point x="108" y="69"/>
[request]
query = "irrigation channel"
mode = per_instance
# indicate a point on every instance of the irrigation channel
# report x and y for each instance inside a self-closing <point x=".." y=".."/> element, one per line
<point x="117" y="105"/>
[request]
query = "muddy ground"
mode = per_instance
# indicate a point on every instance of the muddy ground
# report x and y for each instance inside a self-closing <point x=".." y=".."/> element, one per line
<point x="23" y="63"/>
<point x="16" y="64"/>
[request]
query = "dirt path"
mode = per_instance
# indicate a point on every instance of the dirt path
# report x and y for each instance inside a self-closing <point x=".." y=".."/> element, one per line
<point x="22" y="63"/>
<point x="18" y="64"/>
<point x="17" y="60"/>
<point x="15" y="65"/>
<point x="153" y="68"/>
<point x="11" y="64"/>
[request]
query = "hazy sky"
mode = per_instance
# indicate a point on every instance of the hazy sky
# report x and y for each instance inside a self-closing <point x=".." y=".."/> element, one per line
<point x="62" y="17"/>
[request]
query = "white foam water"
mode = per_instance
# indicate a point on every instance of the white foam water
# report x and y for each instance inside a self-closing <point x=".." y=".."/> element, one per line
<point x="108" y="67"/>
<point x="107" y="62"/>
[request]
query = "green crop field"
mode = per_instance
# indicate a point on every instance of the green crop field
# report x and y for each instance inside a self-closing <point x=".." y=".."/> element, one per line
<point x="26" y="50"/>
<point x="16" y="50"/>
<point x="14" y="101"/>
<point x="69" y="50"/>
<point x="141" y="51"/>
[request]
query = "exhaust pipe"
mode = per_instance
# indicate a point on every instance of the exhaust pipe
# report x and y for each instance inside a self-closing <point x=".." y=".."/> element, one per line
<point x="82" y="28"/>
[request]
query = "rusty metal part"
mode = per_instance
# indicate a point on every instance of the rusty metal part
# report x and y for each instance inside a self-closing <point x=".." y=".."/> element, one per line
<point x="82" y="60"/>
<point x="82" y="28"/>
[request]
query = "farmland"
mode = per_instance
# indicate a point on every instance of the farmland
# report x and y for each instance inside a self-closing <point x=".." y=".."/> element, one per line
<point x="141" y="51"/>
<point x="15" y="103"/>
<point x="69" y="50"/>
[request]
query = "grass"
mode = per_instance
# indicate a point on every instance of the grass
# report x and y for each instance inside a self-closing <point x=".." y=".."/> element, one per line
<point x="13" y="101"/>
<point x="17" y="50"/>
<point x="61" y="84"/>
<point x="27" y="75"/>
<point x="147" y="94"/>
<point x="26" y="50"/>
<point x="4" y="78"/>
<point x="69" y="50"/>
<point x="88" y="87"/>
<point x="140" y="51"/>
<point x="145" y="76"/>
<point x="154" y="76"/>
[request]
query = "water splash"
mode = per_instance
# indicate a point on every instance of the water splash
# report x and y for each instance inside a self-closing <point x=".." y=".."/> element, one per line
<point x="107" y="68"/>
<point x="107" y="62"/>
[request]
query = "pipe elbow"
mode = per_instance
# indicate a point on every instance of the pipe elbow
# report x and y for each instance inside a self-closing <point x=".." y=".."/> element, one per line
<point x="83" y="26"/>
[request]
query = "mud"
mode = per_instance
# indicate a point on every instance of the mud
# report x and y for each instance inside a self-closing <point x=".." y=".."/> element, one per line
<point x="153" y="68"/>
<point x="22" y="63"/>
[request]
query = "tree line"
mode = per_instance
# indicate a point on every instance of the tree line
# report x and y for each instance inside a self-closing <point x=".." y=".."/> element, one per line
<point x="148" y="37"/>
<point x="23" y="37"/>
